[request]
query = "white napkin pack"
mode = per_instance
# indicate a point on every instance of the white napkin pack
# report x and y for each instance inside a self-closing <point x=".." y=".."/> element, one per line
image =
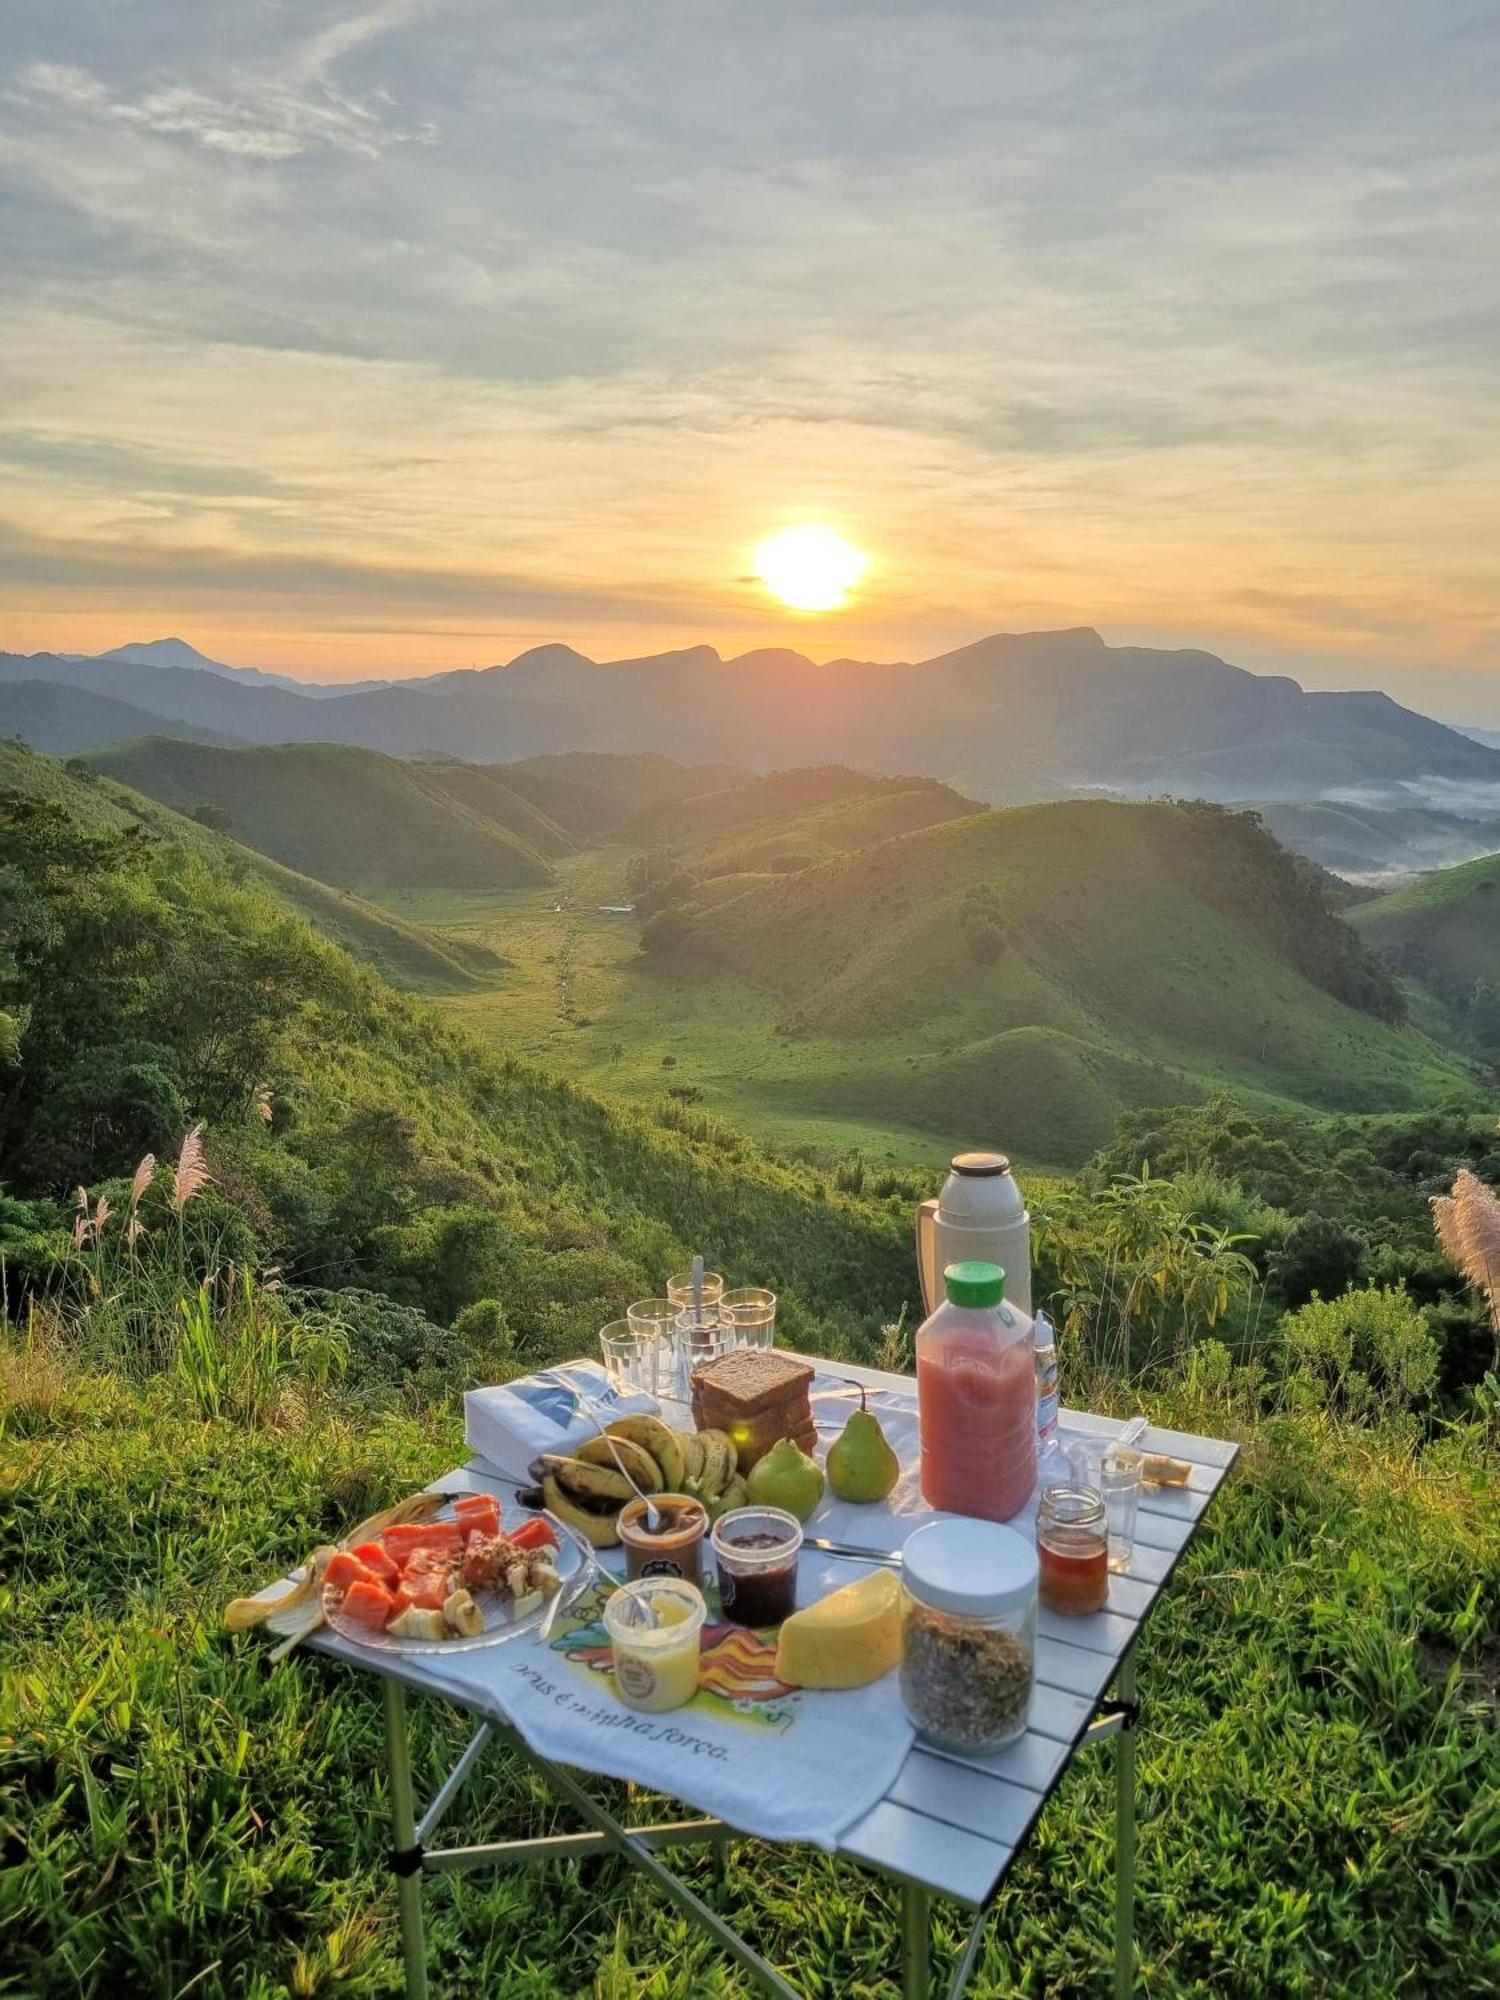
<point x="549" y="1411"/>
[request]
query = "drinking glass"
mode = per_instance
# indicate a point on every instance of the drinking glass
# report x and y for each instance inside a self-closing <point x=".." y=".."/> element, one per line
<point x="656" y="1319"/>
<point x="630" y="1357"/>
<point x="753" y="1311"/>
<point x="680" y="1289"/>
<point x="1120" y="1484"/>
<point x="701" y="1337"/>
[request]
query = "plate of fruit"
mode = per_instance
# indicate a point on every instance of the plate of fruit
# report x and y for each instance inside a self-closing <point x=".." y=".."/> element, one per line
<point x="454" y="1582"/>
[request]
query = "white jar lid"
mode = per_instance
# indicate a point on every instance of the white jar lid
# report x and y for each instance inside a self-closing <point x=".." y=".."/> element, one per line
<point x="975" y="1569"/>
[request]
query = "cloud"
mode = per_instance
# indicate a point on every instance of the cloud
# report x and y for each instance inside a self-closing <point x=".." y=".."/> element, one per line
<point x="1176" y="319"/>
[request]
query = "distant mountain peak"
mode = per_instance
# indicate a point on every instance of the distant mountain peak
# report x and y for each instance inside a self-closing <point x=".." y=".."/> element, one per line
<point x="554" y="655"/>
<point x="769" y="656"/>
<point x="160" y="653"/>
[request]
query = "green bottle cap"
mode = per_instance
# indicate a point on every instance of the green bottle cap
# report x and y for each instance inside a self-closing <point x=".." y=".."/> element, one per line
<point x="974" y="1284"/>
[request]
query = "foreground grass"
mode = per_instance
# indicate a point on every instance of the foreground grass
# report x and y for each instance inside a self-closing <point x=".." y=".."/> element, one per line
<point x="1319" y="1772"/>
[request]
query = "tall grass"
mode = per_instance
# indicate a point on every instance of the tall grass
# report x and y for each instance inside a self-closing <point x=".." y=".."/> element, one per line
<point x="145" y="1296"/>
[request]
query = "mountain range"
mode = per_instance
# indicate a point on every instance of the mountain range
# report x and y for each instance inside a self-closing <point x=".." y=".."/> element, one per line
<point x="1012" y="718"/>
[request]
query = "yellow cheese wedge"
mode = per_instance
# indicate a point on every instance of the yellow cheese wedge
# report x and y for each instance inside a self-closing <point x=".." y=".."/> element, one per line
<point x="846" y="1639"/>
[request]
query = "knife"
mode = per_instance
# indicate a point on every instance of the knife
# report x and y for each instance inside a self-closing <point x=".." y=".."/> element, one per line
<point x="892" y="1557"/>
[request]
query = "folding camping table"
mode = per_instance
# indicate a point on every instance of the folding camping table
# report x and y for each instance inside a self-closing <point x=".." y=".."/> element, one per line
<point x="949" y="1826"/>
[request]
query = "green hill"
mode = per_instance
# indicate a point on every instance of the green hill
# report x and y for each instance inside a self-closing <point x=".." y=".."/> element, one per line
<point x="1032" y="971"/>
<point x="404" y="953"/>
<point x="481" y="789"/>
<point x="158" y="983"/>
<point x="353" y="818"/>
<point x="1443" y="930"/>
<point x="599" y="796"/>
<point x="1442" y="934"/>
<point x="791" y="819"/>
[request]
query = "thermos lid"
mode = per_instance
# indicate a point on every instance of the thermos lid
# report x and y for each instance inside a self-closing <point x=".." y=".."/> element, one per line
<point x="979" y="1166"/>
<point x="974" y="1283"/>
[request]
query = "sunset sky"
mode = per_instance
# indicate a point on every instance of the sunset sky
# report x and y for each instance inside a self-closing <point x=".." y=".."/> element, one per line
<point x="354" y="339"/>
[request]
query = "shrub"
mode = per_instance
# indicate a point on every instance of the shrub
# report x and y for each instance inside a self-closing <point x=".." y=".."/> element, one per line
<point x="394" y="1350"/>
<point x="1317" y="1258"/>
<point x="667" y="932"/>
<point x="1367" y="1353"/>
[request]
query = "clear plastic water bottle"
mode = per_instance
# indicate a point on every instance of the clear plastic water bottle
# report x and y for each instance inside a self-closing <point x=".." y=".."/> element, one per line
<point x="1048" y="1394"/>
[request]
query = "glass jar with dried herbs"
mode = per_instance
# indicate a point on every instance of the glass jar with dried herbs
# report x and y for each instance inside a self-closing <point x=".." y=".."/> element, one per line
<point x="968" y="1633"/>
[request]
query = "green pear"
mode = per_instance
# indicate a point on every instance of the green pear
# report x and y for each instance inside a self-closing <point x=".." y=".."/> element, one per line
<point x="861" y="1463"/>
<point x="786" y="1477"/>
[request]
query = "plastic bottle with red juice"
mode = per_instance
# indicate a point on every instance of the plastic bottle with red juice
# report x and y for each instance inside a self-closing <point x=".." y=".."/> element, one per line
<point x="976" y="1398"/>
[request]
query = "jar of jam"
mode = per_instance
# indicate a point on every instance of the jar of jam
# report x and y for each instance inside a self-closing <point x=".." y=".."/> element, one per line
<point x="756" y="1549"/>
<point x="676" y="1548"/>
<point x="1072" y="1544"/>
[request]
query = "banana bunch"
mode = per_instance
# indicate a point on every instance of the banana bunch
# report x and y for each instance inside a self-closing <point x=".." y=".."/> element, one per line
<point x="589" y="1489"/>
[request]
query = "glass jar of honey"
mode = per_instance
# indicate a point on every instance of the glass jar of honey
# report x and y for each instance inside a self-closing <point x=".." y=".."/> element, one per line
<point x="1072" y="1546"/>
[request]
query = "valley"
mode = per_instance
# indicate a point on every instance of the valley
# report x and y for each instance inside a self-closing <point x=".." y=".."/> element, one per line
<point x="1020" y="977"/>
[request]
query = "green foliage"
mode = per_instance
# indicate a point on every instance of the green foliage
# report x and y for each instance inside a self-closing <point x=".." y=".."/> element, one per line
<point x="982" y="919"/>
<point x="1318" y="1256"/>
<point x="1238" y="866"/>
<point x="1131" y="1274"/>
<point x="395" y="1353"/>
<point x="236" y="1342"/>
<point x="1443" y="934"/>
<point x="667" y="931"/>
<point x="1366" y="1353"/>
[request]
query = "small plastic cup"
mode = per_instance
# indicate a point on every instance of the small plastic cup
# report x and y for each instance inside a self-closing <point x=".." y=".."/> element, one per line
<point x="1120" y="1485"/>
<point x="656" y="1666"/>
<point x="680" y="1289"/>
<point x="630" y="1357"/>
<point x="701" y="1337"/>
<point x="756" y="1550"/>
<point x="753" y="1311"/>
<point x="676" y="1549"/>
<point x="654" y="1316"/>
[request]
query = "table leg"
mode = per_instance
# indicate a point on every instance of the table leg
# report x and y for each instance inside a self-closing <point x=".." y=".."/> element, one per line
<point x="916" y="1931"/>
<point x="1125" y="1836"/>
<point x="404" y="1840"/>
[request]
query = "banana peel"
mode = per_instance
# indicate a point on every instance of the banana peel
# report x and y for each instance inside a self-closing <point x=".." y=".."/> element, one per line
<point x="296" y="1610"/>
<point x="735" y="1494"/>
<point x="720" y="1461"/>
<point x="600" y="1529"/>
<point x="592" y="1485"/>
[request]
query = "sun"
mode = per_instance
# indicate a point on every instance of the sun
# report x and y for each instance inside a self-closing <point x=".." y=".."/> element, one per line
<point x="809" y="568"/>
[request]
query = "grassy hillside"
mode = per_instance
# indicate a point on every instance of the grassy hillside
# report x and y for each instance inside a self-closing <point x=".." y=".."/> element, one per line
<point x="404" y="953"/>
<point x="792" y="819"/>
<point x="352" y="818"/>
<point x="1127" y="956"/>
<point x="481" y="789"/>
<point x="597" y="796"/>
<point x="1125" y="953"/>
<point x="1444" y="929"/>
<point x="1369" y="844"/>
<point x="1442" y="934"/>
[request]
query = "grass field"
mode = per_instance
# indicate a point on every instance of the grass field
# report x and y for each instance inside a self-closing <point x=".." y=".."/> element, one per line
<point x="1318" y="1767"/>
<point x="577" y="994"/>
